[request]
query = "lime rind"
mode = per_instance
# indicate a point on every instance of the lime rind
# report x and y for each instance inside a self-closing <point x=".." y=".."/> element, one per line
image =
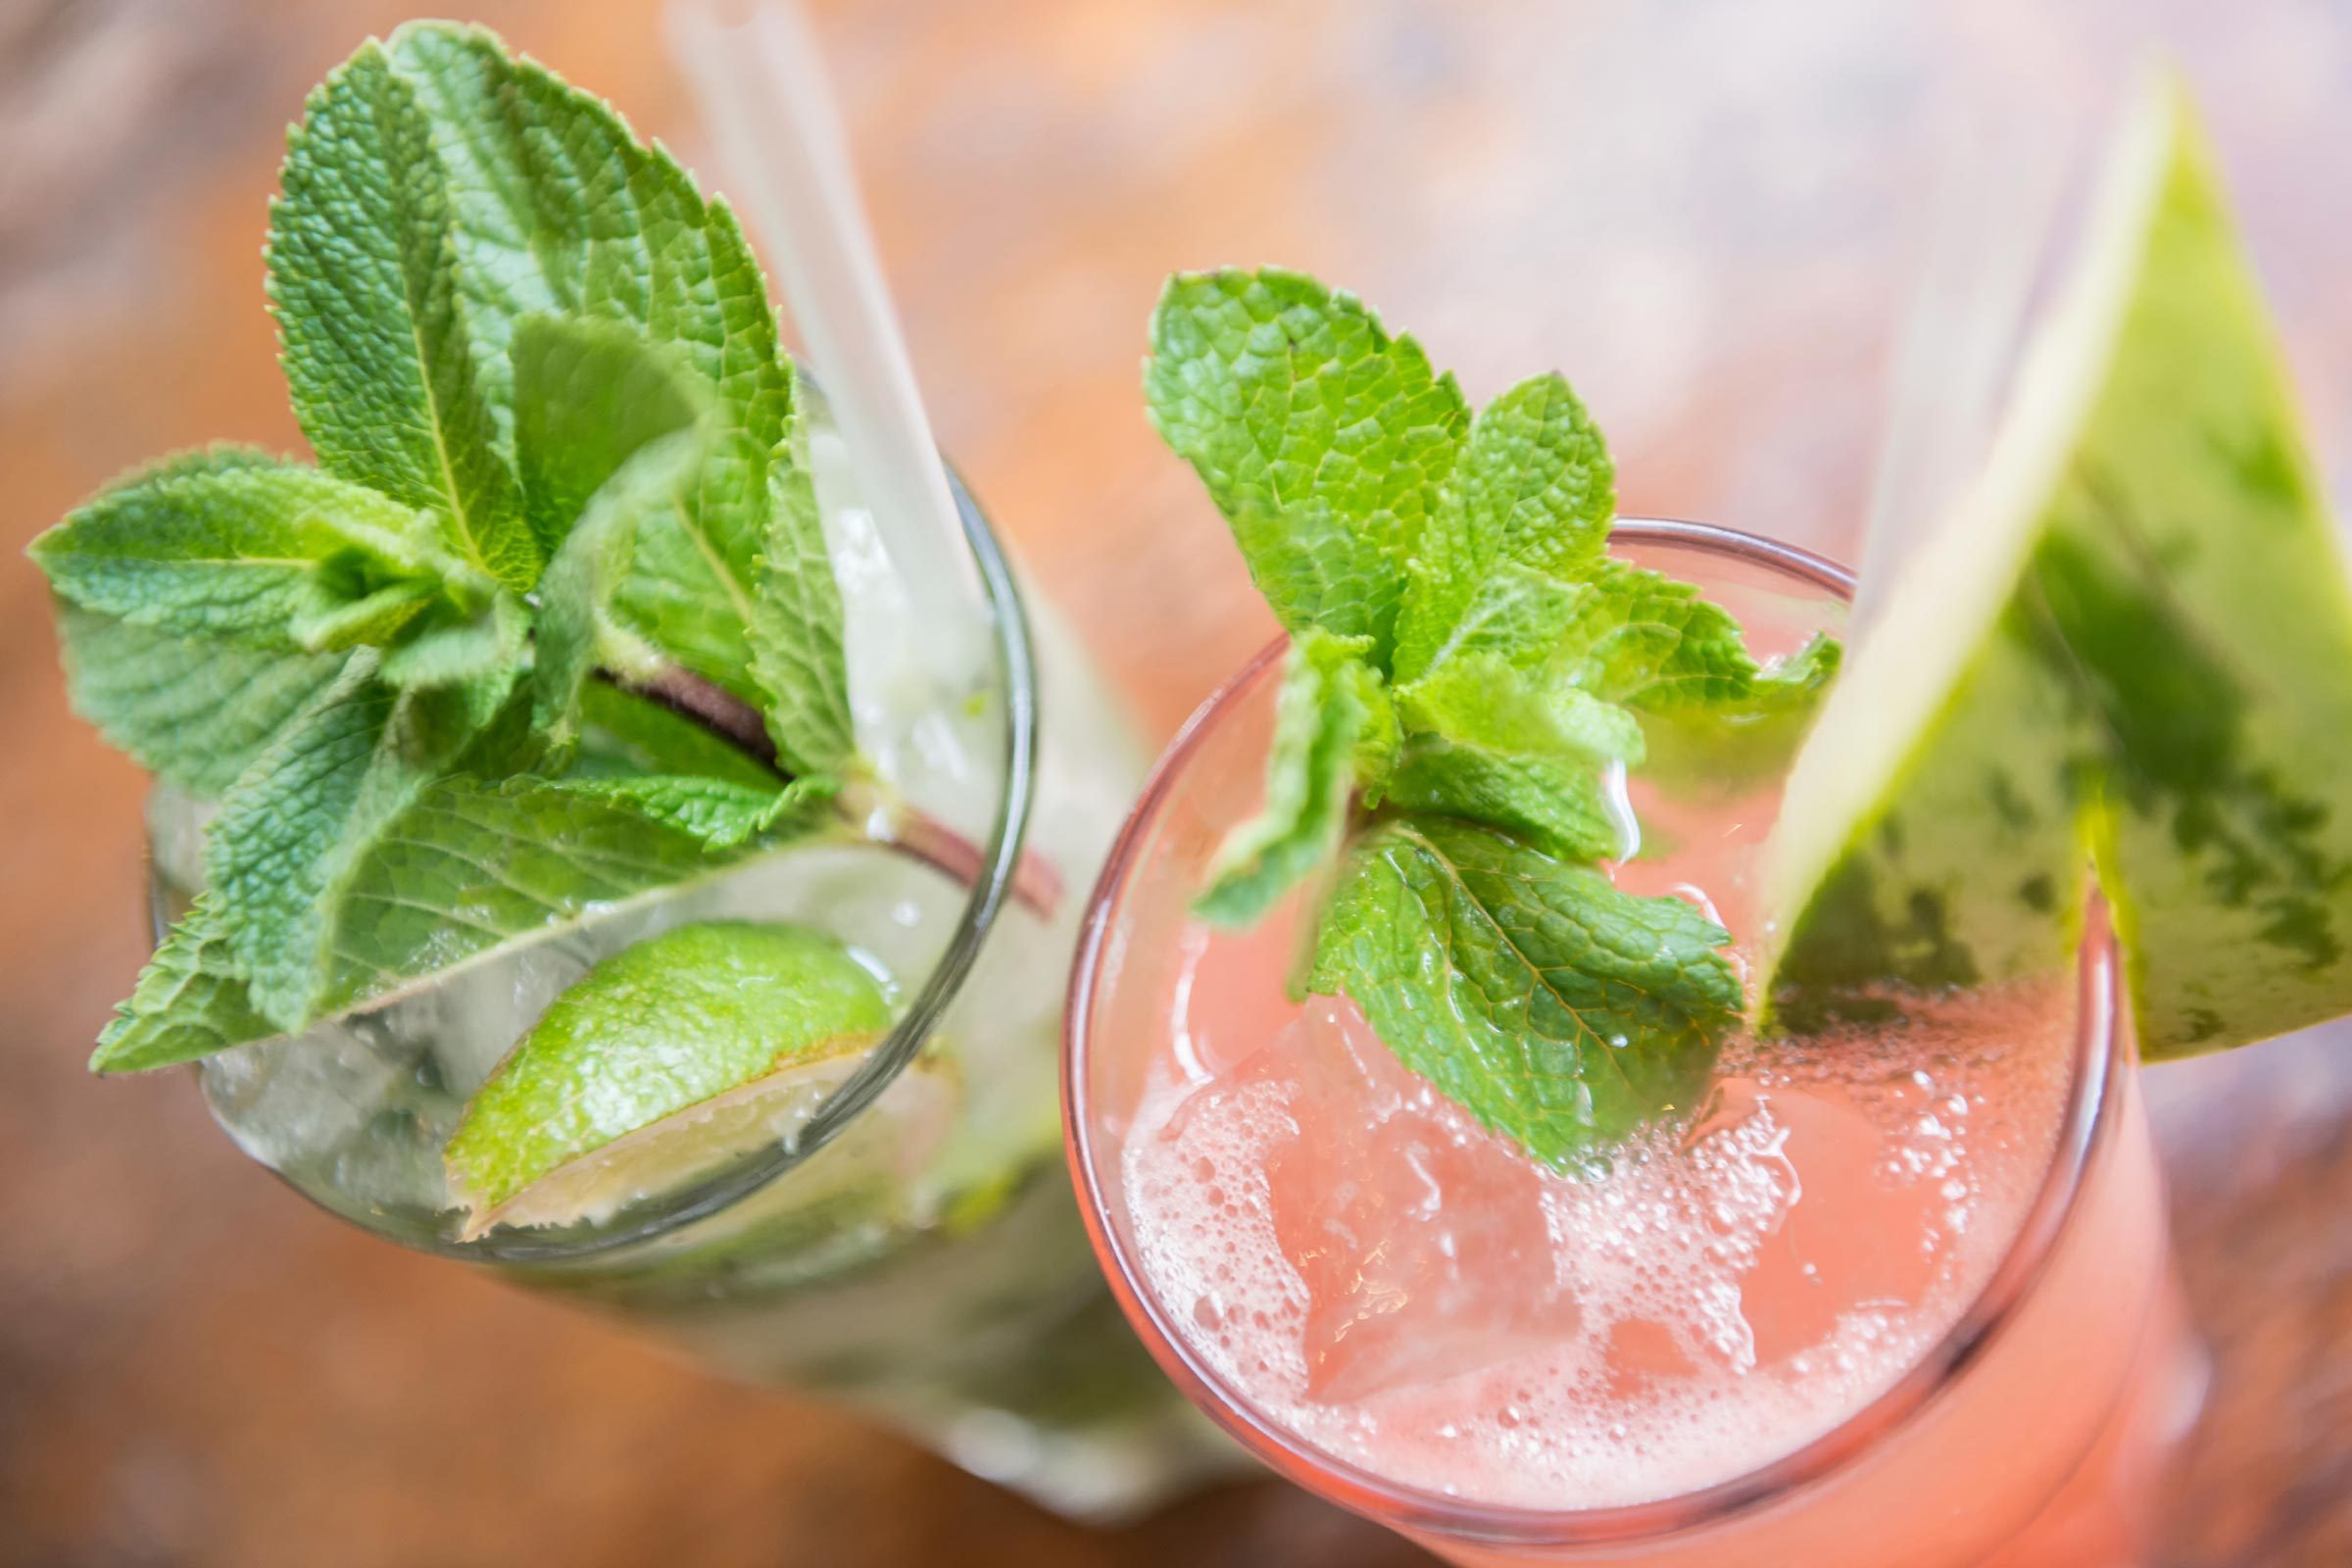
<point x="661" y="1157"/>
<point x="665" y="1060"/>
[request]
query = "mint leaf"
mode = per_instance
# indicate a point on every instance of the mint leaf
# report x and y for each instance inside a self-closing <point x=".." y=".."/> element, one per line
<point x="473" y="868"/>
<point x="362" y="278"/>
<point x="611" y="431"/>
<point x="1713" y="715"/>
<point x="796" y="625"/>
<point x="578" y="630"/>
<point x="1556" y="1009"/>
<point x="309" y="806"/>
<point x="194" y="713"/>
<point x="1533" y="488"/>
<point x="721" y="813"/>
<point x="1484" y="700"/>
<point x="329" y="624"/>
<point x="1523" y="750"/>
<point x="1335" y="732"/>
<point x="265" y="554"/>
<point x="453" y="650"/>
<point x="468" y="870"/>
<point x="190" y="1001"/>
<point x="589" y="394"/>
<point x="1735" y="741"/>
<point x="555" y="206"/>
<point x="1322" y="439"/>
<point x="1650" y="643"/>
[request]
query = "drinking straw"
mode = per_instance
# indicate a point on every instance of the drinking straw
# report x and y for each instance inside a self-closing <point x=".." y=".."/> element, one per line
<point x="1990" y="225"/>
<point x="763" y="95"/>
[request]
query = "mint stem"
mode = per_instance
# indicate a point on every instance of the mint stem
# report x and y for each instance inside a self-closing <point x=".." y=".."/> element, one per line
<point x="891" y="821"/>
<point x="706" y="704"/>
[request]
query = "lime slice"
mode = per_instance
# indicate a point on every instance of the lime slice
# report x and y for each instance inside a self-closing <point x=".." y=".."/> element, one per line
<point x="2130" y="648"/>
<point x="661" y="1063"/>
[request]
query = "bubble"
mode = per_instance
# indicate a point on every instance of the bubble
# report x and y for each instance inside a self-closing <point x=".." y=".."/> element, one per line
<point x="1689" y="1230"/>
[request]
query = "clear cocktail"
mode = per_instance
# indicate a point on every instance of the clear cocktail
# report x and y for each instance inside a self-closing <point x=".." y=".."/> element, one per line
<point x="918" y="1256"/>
<point x="591" y="842"/>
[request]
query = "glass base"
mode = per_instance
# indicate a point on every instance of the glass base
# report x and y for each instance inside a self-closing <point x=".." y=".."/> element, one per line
<point x="1084" y="1424"/>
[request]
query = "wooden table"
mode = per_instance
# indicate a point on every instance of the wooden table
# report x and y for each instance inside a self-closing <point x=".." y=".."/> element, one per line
<point x="1707" y="214"/>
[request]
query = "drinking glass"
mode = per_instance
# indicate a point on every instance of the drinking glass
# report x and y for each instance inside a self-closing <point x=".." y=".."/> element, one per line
<point x="2032" y="1434"/>
<point x="911" y="1247"/>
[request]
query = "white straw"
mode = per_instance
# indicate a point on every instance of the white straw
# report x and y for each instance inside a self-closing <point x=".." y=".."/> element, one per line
<point x="763" y="94"/>
<point x="1992" y="221"/>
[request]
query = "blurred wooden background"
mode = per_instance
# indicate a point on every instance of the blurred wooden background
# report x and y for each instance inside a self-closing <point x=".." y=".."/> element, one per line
<point x="1708" y="211"/>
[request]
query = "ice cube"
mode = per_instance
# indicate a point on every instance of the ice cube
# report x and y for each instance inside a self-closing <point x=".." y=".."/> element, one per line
<point x="1854" y="1234"/>
<point x="1421" y="1239"/>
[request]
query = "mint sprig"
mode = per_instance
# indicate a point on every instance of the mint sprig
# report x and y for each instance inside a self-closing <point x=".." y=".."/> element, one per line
<point x="1470" y="674"/>
<point x="550" y="626"/>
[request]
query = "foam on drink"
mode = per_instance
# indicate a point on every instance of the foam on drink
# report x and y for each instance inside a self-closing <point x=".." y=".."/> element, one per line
<point x="1366" y="1267"/>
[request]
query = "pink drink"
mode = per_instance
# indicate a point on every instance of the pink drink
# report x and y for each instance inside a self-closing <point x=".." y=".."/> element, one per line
<point x="1894" y="1297"/>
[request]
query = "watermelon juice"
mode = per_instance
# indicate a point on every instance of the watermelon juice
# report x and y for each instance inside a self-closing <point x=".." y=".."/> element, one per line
<point x="1893" y="1294"/>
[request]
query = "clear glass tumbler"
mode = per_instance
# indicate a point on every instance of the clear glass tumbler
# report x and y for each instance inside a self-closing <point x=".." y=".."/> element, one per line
<point x="912" y="1248"/>
<point x="2030" y="1436"/>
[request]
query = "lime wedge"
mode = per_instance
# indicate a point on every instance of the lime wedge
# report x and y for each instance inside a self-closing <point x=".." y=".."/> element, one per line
<point x="2128" y="649"/>
<point x="661" y="1063"/>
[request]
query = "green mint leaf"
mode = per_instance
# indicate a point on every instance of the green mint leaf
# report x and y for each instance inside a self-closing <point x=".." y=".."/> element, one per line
<point x="658" y="1029"/>
<point x="589" y="394"/>
<point x="578" y="631"/>
<point x="1521" y="749"/>
<point x="327" y="624"/>
<point x="190" y="1001"/>
<point x="1646" y="641"/>
<point x="1735" y="741"/>
<point x="623" y="735"/>
<point x="195" y="712"/>
<point x="721" y="813"/>
<point x="1335" y="733"/>
<point x="1484" y="700"/>
<point x="362" y="278"/>
<point x="1714" y="717"/>
<point x="473" y="868"/>
<point x="1323" y="440"/>
<point x="1558" y="1011"/>
<point x="310" y="805"/>
<point x="453" y="649"/>
<point x="261" y="553"/>
<point x="1533" y="488"/>
<point x="555" y="205"/>
<point x="795" y="623"/>
<point x="469" y="870"/>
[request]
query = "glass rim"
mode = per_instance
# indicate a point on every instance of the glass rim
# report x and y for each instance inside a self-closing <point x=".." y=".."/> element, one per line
<point x="729" y="1185"/>
<point x="2085" y="1125"/>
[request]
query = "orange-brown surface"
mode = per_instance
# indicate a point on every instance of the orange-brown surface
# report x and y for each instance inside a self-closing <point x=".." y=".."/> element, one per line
<point x="1706" y="213"/>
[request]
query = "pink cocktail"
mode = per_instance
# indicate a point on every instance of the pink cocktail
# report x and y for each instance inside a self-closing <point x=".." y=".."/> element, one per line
<point x="1897" y="1294"/>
